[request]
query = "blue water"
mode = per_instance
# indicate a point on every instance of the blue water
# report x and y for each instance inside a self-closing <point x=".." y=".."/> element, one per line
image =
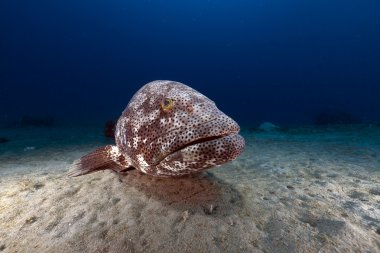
<point x="307" y="185"/>
<point x="274" y="60"/>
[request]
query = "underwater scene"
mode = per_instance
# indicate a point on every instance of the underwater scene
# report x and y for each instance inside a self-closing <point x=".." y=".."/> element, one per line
<point x="190" y="126"/>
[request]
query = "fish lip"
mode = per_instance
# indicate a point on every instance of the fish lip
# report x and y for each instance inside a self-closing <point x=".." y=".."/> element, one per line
<point x="205" y="139"/>
<point x="221" y="135"/>
<point x="201" y="140"/>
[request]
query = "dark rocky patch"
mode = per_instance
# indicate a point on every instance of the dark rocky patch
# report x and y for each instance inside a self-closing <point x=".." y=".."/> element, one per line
<point x="115" y="200"/>
<point x="375" y="191"/>
<point x="321" y="183"/>
<point x="334" y="118"/>
<point x="329" y="226"/>
<point x="31" y="220"/>
<point x="332" y="175"/>
<point x="350" y="205"/>
<point x="324" y="225"/>
<point x="78" y="216"/>
<point x="38" y="186"/>
<point x="4" y="140"/>
<point x="27" y="121"/>
<point x="358" y="195"/>
<point x="371" y="219"/>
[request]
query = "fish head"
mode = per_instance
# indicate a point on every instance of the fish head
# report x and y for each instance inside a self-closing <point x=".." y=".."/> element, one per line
<point x="169" y="129"/>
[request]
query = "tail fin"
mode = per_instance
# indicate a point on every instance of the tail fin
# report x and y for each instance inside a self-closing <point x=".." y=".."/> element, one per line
<point x="100" y="159"/>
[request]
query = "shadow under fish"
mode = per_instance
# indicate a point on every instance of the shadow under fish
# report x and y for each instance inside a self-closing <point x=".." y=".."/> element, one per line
<point x="197" y="193"/>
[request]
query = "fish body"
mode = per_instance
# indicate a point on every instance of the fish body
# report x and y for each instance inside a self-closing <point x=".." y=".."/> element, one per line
<point x="168" y="129"/>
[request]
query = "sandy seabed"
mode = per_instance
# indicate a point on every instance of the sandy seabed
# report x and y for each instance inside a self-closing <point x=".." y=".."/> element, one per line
<point x="300" y="190"/>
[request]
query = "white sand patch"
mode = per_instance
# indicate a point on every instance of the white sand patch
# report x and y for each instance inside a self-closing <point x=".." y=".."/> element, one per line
<point x="305" y="191"/>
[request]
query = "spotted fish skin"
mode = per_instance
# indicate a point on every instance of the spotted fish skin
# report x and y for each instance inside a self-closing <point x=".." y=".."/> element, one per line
<point x="169" y="129"/>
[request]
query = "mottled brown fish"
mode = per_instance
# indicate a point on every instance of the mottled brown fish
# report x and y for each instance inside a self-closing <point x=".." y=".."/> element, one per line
<point x="168" y="129"/>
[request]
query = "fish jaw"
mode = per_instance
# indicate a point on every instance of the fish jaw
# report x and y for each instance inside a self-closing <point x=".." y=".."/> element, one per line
<point x="180" y="137"/>
<point x="199" y="156"/>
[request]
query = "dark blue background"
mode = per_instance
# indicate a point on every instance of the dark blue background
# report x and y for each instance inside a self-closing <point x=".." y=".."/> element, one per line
<point x="273" y="60"/>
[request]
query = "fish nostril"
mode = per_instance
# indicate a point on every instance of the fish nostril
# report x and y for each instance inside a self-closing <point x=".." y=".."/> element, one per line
<point x="189" y="109"/>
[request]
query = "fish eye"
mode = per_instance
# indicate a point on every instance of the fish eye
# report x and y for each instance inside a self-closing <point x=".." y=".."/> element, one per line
<point x="167" y="104"/>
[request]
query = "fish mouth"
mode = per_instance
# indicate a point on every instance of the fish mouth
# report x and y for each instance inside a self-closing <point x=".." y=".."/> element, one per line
<point x="199" y="141"/>
<point x="205" y="139"/>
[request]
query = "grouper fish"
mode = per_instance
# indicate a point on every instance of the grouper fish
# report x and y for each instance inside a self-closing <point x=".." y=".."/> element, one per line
<point x="168" y="129"/>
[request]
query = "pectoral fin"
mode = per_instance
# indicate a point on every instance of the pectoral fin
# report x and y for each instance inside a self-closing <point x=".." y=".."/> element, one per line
<point x="106" y="157"/>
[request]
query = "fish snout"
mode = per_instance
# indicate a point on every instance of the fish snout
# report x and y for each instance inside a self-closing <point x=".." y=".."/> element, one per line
<point x="225" y="125"/>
